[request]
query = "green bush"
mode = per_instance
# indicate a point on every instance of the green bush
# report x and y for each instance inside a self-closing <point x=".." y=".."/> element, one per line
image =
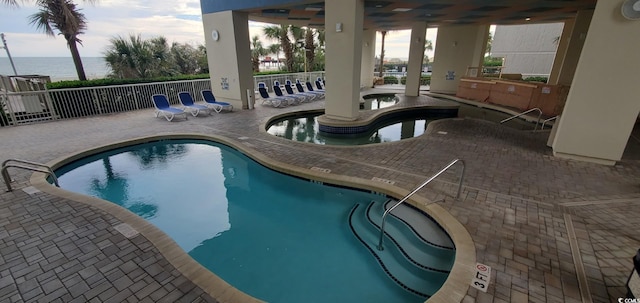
<point x="110" y="81"/>
<point x="424" y="80"/>
<point x="537" y="79"/>
<point x="390" y="80"/>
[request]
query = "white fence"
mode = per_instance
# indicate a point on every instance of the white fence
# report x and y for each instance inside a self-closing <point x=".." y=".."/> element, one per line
<point x="55" y="104"/>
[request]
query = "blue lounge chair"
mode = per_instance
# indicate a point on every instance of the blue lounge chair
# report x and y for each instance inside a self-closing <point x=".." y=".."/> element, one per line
<point x="289" y="89"/>
<point x="312" y="90"/>
<point x="292" y="99"/>
<point x="301" y="89"/>
<point x="268" y="100"/>
<point x="320" y="84"/>
<point x="161" y="103"/>
<point x="187" y="102"/>
<point x="210" y="100"/>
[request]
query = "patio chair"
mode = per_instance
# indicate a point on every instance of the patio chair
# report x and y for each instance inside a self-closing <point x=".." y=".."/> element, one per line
<point x="289" y="89"/>
<point x="311" y="89"/>
<point x="268" y="100"/>
<point x="292" y="99"/>
<point x="187" y="102"/>
<point x="320" y="83"/>
<point x="161" y="103"/>
<point x="210" y="100"/>
<point x="301" y="89"/>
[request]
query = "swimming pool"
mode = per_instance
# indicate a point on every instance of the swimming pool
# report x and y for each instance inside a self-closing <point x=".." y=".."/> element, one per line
<point x="273" y="236"/>
<point x="304" y="127"/>
<point x="378" y="101"/>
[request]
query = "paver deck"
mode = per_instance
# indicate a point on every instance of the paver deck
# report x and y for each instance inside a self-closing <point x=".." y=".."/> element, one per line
<point x="553" y="230"/>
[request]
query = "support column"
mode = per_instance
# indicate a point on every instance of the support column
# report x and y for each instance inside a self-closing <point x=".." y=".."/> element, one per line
<point x="416" y="55"/>
<point x="368" y="58"/>
<point x="457" y="47"/>
<point x="343" y="30"/>
<point x="229" y="67"/>
<point x="602" y="105"/>
<point x="569" y="48"/>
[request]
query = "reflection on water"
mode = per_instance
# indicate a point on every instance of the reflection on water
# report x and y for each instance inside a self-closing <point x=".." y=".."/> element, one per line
<point x="305" y="129"/>
<point x="378" y="101"/>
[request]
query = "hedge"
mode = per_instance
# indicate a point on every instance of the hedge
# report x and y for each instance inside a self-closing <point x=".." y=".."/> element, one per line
<point x="424" y="80"/>
<point x="536" y="79"/>
<point x="111" y="81"/>
<point x="390" y="80"/>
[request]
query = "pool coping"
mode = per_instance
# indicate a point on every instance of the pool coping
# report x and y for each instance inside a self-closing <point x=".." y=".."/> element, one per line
<point x="454" y="289"/>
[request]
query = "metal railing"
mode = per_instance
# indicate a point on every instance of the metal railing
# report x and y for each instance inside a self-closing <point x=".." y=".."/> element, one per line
<point x="386" y="212"/>
<point x="547" y="120"/>
<point x="524" y="113"/>
<point x="34" y="167"/>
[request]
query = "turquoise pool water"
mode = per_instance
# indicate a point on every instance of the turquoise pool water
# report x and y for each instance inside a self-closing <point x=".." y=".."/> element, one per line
<point x="273" y="236"/>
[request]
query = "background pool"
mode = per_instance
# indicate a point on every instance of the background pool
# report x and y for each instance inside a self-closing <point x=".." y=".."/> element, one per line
<point x="273" y="236"/>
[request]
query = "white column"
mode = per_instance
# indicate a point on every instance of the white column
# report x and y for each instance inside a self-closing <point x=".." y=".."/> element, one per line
<point x="229" y="67"/>
<point x="368" y="58"/>
<point x="343" y="30"/>
<point x="602" y="105"/>
<point x="416" y="55"/>
<point x="457" y="48"/>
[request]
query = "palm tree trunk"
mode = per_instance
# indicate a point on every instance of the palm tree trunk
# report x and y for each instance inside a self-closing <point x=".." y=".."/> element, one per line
<point x="73" y="47"/>
<point x="384" y="33"/>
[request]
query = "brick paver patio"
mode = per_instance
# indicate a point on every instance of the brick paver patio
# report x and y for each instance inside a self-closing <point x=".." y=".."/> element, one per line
<point x="553" y="230"/>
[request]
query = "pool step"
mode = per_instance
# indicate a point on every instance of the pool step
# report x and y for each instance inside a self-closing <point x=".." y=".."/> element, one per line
<point x="420" y="280"/>
<point x="422" y="226"/>
<point x="407" y="228"/>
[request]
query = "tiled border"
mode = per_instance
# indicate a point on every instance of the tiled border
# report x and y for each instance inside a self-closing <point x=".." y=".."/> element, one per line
<point x="454" y="289"/>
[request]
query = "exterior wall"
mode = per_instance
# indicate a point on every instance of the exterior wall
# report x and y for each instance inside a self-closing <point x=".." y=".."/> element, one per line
<point x="528" y="49"/>
<point x="602" y="106"/>
<point x="230" y="70"/>
<point x="457" y="47"/>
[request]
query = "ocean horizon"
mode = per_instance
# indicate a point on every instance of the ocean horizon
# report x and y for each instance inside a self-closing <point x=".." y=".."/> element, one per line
<point x="58" y="68"/>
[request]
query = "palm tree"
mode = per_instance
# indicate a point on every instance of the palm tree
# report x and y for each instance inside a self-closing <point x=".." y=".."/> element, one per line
<point x="275" y="49"/>
<point x="384" y="34"/>
<point x="309" y="46"/>
<point x="257" y="51"/>
<point x="13" y="3"/>
<point x="64" y="16"/>
<point x="138" y="58"/>
<point x="282" y="33"/>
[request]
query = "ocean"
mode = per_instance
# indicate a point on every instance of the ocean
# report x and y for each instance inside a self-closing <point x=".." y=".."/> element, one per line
<point x="58" y="68"/>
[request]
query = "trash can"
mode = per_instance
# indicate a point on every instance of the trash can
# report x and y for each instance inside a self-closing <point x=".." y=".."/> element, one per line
<point x="250" y="98"/>
<point x="633" y="283"/>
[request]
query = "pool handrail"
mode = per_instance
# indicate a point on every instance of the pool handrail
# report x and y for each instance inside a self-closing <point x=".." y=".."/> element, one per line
<point x="547" y="120"/>
<point x="386" y="212"/>
<point x="39" y="167"/>
<point x="524" y="113"/>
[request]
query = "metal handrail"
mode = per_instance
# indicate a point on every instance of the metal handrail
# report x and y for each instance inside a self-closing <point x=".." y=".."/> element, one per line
<point x="524" y="113"/>
<point x="547" y="120"/>
<point x="40" y="168"/>
<point x="386" y="212"/>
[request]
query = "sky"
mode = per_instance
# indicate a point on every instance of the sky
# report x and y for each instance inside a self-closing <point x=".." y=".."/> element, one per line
<point x="178" y="21"/>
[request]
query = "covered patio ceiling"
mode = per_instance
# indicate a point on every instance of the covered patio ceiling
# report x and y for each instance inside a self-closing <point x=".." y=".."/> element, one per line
<point x="400" y="14"/>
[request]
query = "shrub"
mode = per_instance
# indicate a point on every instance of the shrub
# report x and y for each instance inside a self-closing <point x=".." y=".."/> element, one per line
<point x="390" y="80"/>
<point x="424" y="80"/>
<point x="111" y="81"/>
<point x="537" y="79"/>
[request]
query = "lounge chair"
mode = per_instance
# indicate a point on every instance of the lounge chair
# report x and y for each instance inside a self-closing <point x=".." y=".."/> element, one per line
<point x="312" y="90"/>
<point x="187" y="102"/>
<point x="268" y="100"/>
<point x="161" y="103"/>
<point x="210" y="101"/>
<point x="289" y="89"/>
<point x="292" y="99"/>
<point x="301" y="89"/>
<point x="320" y="84"/>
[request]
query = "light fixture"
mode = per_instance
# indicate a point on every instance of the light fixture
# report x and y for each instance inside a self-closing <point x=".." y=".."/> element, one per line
<point x="339" y="27"/>
<point x="527" y="18"/>
<point x="215" y="35"/>
<point x="401" y="9"/>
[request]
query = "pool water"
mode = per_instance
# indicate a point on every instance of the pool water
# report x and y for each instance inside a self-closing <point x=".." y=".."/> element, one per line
<point x="273" y="236"/>
<point x="378" y="101"/>
<point x="305" y="128"/>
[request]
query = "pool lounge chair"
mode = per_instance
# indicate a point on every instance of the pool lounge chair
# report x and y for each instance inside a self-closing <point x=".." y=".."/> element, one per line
<point x="210" y="100"/>
<point x="289" y="89"/>
<point x="301" y="89"/>
<point x="292" y="99"/>
<point x="320" y="83"/>
<point x="161" y="103"/>
<point x="268" y="100"/>
<point x="187" y="102"/>
<point x="312" y="90"/>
